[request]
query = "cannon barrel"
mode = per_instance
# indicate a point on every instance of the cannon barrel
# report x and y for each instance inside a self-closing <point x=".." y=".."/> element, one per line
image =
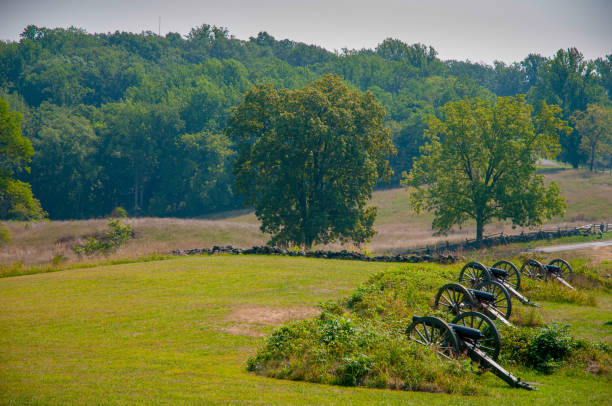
<point x="467" y="332"/>
<point x="499" y="272"/>
<point x="482" y="295"/>
<point x="552" y="268"/>
<point x="479" y="356"/>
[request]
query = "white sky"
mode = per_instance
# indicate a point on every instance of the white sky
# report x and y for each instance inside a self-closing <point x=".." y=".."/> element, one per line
<point x="478" y="30"/>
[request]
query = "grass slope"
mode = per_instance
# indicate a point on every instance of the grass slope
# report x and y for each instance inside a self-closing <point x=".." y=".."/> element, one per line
<point x="181" y="330"/>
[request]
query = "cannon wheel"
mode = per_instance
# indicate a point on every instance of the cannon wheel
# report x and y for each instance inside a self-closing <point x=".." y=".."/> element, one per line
<point x="473" y="273"/>
<point x="533" y="269"/>
<point x="491" y="343"/>
<point x="502" y="302"/>
<point x="454" y="298"/>
<point x="514" y="276"/>
<point x="434" y="332"/>
<point x="566" y="269"/>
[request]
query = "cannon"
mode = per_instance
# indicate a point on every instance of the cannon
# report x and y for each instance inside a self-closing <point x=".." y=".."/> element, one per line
<point x="470" y="332"/>
<point x="558" y="269"/>
<point x="503" y="272"/>
<point x="489" y="297"/>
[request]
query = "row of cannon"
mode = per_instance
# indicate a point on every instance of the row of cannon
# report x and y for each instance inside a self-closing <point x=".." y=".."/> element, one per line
<point x="486" y="296"/>
<point x="507" y="273"/>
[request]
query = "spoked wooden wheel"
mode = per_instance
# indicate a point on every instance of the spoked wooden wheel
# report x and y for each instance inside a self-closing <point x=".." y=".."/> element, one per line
<point x="514" y="276"/>
<point x="435" y="333"/>
<point x="491" y="342"/>
<point x="502" y="301"/>
<point x="473" y="273"/>
<point x="454" y="298"/>
<point x="565" y="269"/>
<point x="533" y="269"/>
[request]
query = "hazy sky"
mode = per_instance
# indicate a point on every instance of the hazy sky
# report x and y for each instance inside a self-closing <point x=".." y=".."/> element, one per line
<point x="479" y="30"/>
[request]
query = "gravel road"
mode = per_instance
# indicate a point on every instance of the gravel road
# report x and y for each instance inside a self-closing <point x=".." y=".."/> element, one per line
<point x="567" y="247"/>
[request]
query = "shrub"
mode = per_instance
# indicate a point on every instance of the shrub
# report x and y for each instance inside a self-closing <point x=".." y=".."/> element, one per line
<point x="352" y="370"/>
<point x="58" y="259"/>
<point x="550" y="347"/>
<point x="118" y="235"/>
<point x="544" y="349"/>
<point x="119" y="213"/>
<point x="516" y="344"/>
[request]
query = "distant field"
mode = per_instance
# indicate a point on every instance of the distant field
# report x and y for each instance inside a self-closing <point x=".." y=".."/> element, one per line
<point x="589" y="198"/>
<point x="180" y="331"/>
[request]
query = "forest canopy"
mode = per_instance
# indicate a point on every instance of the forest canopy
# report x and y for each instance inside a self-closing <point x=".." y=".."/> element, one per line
<point x="137" y="120"/>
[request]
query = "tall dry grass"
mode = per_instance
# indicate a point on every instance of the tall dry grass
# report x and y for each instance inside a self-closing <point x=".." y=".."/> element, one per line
<point x="589" y="198"/>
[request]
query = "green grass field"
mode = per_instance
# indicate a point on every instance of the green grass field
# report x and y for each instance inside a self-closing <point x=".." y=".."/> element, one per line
<point x="180" y="331"/>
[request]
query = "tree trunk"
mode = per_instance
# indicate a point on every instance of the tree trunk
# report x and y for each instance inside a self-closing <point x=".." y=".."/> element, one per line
<point x="136" y="187"/>
<point x="592" y="159"/>
<point x="308" y="245"/>
<point x="479" y="228"/>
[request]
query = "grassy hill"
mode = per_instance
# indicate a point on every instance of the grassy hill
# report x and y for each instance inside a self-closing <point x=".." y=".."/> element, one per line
<point x="181" y="330"/>
<point x="588" y="195"/>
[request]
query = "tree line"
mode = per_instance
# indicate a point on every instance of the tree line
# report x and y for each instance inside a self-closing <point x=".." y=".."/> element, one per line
<point x="141" y="120"/>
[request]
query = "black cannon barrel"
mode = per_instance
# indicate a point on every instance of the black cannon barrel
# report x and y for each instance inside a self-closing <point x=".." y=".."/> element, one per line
<point x="552" y="268"/>
<point x="499" y="272"/>
<point x="482" y="295"/>
<point x="467" y="332"/>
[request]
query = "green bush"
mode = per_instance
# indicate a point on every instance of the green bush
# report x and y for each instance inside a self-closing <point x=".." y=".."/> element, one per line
<point x="544" y="349"/>
<point x="118" y="235"/>
<point x="352" y="370"/>
<point x="58" y="259"/>
<point x="550" y="347"/>
<point x="119" y="213"/>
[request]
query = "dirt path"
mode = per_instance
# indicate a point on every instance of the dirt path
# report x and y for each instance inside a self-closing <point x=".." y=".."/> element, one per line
<point x="567" y="247"/>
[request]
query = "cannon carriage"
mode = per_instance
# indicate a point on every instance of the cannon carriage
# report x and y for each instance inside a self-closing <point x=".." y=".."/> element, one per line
<point x="557" y="269"/>
<point x="489" y="297"/>
<point x="503" y="272"/>
<point x="470" y="332"/>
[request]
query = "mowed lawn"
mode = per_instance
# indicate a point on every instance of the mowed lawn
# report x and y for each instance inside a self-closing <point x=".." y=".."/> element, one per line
<point x="180" y="331"/>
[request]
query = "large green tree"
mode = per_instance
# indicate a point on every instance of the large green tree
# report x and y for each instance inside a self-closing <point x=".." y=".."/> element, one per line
<point x="308" y="160"/>
<point x="16" y="199"/>
<point x="480" y="162"/>
<point x="595" y="127"/>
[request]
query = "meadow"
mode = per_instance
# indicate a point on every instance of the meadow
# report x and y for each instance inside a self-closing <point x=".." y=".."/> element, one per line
<point x="588" y="196"/>
<point x="181" y="330"/>
<point x="144" y="327"/>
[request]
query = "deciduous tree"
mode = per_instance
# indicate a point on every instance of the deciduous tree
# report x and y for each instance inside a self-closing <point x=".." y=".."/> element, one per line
<point x="308" y="160"/>
<point x="480" y="161"/>
<point x="16" y="199"/>
<point x="595" y="127"/>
